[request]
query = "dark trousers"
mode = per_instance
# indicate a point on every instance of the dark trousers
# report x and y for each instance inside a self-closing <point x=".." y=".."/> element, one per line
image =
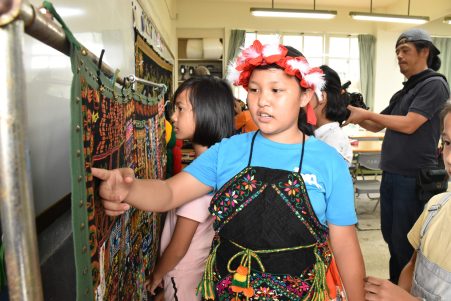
<point x="400" y="208"/>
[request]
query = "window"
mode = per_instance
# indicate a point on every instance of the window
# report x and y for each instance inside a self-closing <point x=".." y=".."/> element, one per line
<point x="344" y="58"/>
<point x="340" y="52"/>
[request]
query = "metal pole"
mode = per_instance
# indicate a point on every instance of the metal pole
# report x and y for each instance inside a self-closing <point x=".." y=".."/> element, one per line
<point x="132" y="78"/>
<point x="16" y="200"/>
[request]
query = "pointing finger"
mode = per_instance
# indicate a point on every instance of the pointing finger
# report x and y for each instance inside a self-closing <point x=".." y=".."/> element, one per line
<point x="102" y="174"/>
<point x="113" y="213"/>
<point x="113" y="206"/>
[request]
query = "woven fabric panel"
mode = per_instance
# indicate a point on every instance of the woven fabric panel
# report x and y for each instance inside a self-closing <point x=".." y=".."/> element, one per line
<point x="113" y="127"/>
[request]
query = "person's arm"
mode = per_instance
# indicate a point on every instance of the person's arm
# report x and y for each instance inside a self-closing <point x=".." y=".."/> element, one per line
<point x="120" y="189"/>
<point x="406" y="276"/>
<point x="175" y="251"/>
<point x="346" y="249"/>
<point x="383" y="290"/>
<point x="159" y="296"/>
<point x="371" y="126"/>
<point x="358" y="116"/>
<point x="407" y="124"/>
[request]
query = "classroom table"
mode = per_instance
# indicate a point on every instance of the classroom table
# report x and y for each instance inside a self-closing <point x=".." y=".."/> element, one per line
<point x="367" y="146"/>
<point x="366" y="136"/>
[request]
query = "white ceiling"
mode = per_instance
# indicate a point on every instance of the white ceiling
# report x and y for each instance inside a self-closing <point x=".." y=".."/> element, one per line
<point x="432" y="8"/>
<point x="330" y="4"/>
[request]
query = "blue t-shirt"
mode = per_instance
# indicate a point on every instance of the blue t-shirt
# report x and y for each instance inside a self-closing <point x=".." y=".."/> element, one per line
<point x="326" y="176"/>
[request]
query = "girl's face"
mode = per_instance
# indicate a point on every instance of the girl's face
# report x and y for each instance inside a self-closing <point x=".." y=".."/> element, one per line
<point x="446" y="139"/>
<point x="274" y="100"/>
<point x="183" y="117"/>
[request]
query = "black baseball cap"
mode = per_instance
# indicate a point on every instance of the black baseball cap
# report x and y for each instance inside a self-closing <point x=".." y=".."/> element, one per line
<point x="414" y="35"/>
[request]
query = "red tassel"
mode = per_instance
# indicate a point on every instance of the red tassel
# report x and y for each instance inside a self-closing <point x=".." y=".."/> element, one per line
<point x="311" y="117"/>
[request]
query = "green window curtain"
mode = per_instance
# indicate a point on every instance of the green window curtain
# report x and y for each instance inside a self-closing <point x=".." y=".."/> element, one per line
<point x="444" y="45"/>
<point x="367" y="53"/>
<point x="236" y="41"/>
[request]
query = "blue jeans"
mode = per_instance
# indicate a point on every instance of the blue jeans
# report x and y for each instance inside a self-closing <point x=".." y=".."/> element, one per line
<point x="400" y="208"/>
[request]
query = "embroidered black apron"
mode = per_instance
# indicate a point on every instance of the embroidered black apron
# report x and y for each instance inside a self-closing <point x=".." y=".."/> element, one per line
<point x="269" y="244"/>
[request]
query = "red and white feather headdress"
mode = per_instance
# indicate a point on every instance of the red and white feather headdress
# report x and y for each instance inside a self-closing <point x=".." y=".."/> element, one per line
<point x="240" y="70"/>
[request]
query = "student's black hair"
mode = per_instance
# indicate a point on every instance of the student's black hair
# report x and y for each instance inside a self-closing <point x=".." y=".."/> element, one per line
<point x="335" y="108"/>
<point x="302" y="119"/>
<point x="213" y="107"/>
<point x="433" y="60"/>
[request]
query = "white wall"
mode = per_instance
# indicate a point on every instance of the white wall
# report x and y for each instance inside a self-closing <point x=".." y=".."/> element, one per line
<point x="163" y="14"/>
<point x="388" y="78"/>
<point x="97" y="24"/>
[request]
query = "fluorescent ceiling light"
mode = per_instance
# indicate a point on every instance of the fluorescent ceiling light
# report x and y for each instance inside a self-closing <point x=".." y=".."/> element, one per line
<point x="293" y="13"/>
<point x="447" y="20"/>
<point x="389" y="18"/>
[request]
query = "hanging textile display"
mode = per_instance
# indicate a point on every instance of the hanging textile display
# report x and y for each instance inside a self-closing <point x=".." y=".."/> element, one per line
<point x="115" y="129"/>
<point x="111" y="127"/>
<point x="150" y="66"/>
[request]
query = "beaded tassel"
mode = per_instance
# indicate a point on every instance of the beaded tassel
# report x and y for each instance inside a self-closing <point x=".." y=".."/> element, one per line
<point x="206" y="286"/>
<point x="319" y="285"/>
<point x="241" y="276"/>
<point x="240" y="282"/>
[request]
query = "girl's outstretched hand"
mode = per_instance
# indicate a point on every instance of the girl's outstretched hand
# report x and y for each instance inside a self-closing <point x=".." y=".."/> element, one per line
<point x="383" y="290"/>
<point x="153" y="283"/>
<point x="114" y="189"/>
<point x="159" y="296"/>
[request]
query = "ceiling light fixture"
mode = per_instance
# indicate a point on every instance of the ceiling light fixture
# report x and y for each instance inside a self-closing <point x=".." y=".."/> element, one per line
<point x="447" y="20"/>
<point x="293" y="13"/>
<point x="388" y="17"/>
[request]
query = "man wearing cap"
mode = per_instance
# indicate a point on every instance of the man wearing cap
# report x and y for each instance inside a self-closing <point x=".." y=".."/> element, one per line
<point x="411" y="139"/>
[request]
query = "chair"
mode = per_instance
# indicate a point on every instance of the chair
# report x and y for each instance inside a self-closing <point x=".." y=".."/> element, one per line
<point x="367" y="164"/>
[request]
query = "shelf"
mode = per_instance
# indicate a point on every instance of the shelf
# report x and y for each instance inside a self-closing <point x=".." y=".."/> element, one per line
<point x="214" y="65"/>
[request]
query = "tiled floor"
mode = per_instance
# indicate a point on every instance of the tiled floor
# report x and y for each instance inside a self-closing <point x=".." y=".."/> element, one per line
<point x="374" y="249"/>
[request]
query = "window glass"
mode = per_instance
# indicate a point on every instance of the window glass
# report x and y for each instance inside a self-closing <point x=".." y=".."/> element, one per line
<point x="339" y="47"/>
<point x="315" y="61"/>
<point x="268" y="38"/>
<point x="354" y="53"/>
<point x="293" y="41"/>
<point x="249" y="38"/>
<point x="313" y="46"/>
<point x="354" y="75"/>
<point x="340" y="66"/>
